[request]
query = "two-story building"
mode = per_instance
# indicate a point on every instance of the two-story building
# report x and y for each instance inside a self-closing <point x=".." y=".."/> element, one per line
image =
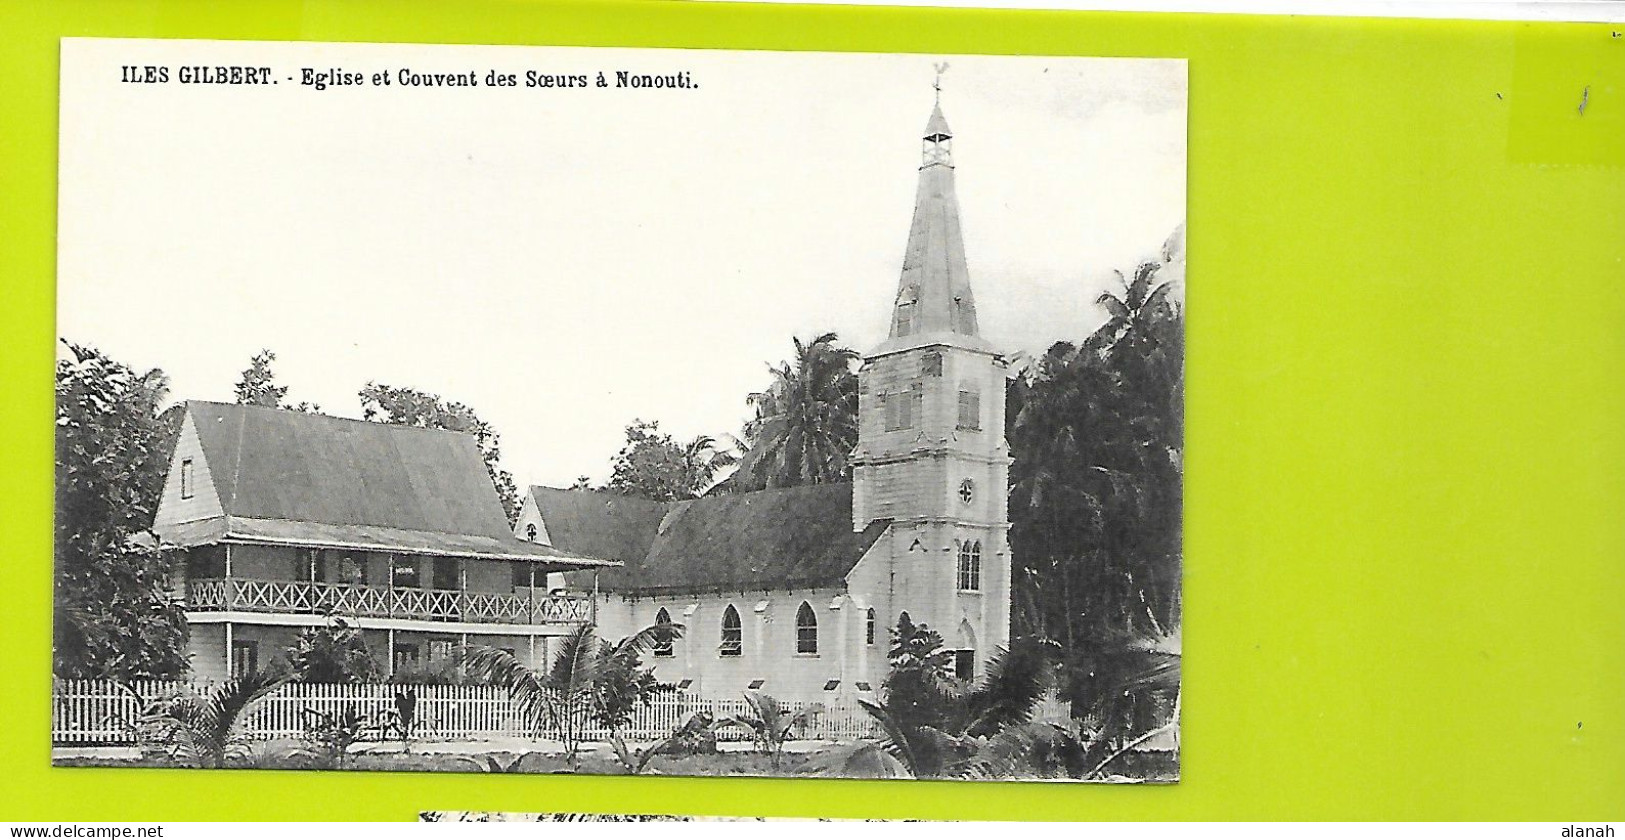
<point x="285" y="518"/>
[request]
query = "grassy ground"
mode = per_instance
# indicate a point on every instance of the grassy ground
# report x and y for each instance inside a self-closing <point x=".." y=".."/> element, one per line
<point x="802" y="758"/>
<point x="476" y="758"/>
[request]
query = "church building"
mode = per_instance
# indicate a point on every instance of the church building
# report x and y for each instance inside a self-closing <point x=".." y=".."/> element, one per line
<point x="794" y="591"/>
<point x="283" y="520"/>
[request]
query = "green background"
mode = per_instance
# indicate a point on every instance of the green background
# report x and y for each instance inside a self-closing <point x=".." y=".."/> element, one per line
<point x="1405" y="580"/>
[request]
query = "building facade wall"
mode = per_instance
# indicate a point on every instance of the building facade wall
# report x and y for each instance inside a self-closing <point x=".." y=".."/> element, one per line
<point x="530" y="525"/>
<point x="768" y="636"/>
<point x="175" y="505"/>
<point x="206" y="651"/>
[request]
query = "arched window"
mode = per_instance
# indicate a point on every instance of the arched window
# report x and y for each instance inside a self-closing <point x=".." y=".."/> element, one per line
<point x="663" y="645"/>
<point x="965" y="654"/>
<point x="806" y="629"/>
<point x="530" y="531"/>
<point x="869" y="627"/>
<point x="970" y="566"/>
<point x="733" y="633"/>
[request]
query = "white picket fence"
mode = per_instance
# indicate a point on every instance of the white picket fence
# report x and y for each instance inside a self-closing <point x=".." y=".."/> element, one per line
<point x="104" y="712"/>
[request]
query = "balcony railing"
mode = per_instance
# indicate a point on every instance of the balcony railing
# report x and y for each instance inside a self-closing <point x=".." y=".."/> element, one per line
<point x="308" y="598"/>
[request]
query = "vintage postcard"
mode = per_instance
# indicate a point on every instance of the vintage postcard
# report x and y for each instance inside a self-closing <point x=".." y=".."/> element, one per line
<point x="513" y="409"/>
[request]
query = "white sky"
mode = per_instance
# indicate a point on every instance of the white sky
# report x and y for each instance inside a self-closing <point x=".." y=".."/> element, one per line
<point x="567" y="260"/>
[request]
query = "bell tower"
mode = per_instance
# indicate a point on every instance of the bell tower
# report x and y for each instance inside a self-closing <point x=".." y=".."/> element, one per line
<point x="931" y="454"/>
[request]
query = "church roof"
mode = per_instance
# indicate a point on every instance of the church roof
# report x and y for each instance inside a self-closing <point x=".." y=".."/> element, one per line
<point x="791" y="537"/>
<point x="292" y="477"/>
<point x="599" y="524"/>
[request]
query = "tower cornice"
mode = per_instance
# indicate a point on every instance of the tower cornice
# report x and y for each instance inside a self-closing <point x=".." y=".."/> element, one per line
<point x="945" y="340"/>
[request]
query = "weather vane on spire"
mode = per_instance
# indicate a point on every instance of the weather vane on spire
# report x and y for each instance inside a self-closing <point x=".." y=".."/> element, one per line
<point x="942" y="67"/>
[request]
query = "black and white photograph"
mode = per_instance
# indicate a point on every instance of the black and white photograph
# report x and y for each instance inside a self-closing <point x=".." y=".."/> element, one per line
<point x="619" y="411"/>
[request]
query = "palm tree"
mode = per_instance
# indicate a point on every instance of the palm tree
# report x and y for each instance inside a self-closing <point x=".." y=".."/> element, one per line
<point x="702" y="459"/>
<point x="806" y="421"/>
<point x="200" y="729"/>
<point x="1143" y="300"/>
<point x="1095" y="488"/>
<point x="585" y="676"/>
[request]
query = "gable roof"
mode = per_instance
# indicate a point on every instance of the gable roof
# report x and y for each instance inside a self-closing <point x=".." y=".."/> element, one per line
<point x="300" y="478"/>
<point x="599" y="524"/>
<point x="274" y="464"/>
<point x="790" y="537"/>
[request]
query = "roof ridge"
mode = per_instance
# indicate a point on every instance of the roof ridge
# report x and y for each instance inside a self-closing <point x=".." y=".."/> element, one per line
<point x="245" y="408"/>
<point x="237" y="466"/>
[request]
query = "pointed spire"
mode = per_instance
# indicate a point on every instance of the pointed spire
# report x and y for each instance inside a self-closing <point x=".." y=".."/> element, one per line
<point x="936" y="128"/>
<point x="933" y="294"/>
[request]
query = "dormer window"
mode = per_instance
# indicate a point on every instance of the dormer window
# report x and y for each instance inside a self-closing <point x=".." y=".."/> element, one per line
<point x="907" y="297"/>
<point x="961" y="316"/>
<point x="905" y="319"/>
<point x="186" y="478"/>
<point x="530" y="531"/>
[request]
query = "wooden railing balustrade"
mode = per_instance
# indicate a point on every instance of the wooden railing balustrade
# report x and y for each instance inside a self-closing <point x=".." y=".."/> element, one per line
<point x="320" y="598"/>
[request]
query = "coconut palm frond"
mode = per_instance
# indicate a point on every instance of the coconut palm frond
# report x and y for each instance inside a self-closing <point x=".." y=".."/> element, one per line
<point x="647" y="639"/>
<point x="1027" y="751"/>
<point x="1012" y="684"/>
<point x="200" y="729"/>
<point x="862" y="760"/>
<point x="532" y="699"/>
<point x="576" y="667"/>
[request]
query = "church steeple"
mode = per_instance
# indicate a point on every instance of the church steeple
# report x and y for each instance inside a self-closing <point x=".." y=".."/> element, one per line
<point x="933" y="294"/>
<point x="931" y="459"/>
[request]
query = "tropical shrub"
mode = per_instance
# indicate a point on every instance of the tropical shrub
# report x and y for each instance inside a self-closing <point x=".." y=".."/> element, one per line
<point x="935" y="725"/>
<point x="634" y="761"/>
<point x="115" y="617"/>
<point x="335" y="652"/>
<point x="329" y="735"/>
<point x="587" y="678"/>
<point x="770" y="724"/>
<point x="200" y="729"/>
<point x="402" y="721"/>
<point x="441" y="671"/>
<point x="695" y="736"/>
